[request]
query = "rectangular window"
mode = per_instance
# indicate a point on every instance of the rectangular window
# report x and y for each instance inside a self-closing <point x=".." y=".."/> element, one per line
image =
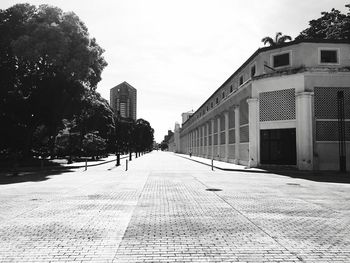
<point x="217" y="100"/>
<point x="211" y="104"/>
<point x="240" y="80"/>
<point x="223" y="95"/>
<point x="252" y="71"/>
<point x="329" y="56"/>
<point x="281" y="60"/>
<point x="231" y="88"/>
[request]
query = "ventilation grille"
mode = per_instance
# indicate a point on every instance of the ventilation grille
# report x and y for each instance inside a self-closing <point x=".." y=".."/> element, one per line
<point x="277" y="105"/>
<point x="244" y="134"/>
<point x="243" y="111"/>
<point x="326" y="103"/>
<point x="326" y="113"/>
<point x="328" y="131"/>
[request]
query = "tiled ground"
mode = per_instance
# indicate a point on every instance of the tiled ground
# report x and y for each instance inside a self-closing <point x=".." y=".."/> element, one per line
<point x="160" y="211"/>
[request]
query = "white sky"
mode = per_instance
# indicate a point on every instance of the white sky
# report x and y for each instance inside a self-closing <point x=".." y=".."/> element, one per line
<point x="177" y="53"/>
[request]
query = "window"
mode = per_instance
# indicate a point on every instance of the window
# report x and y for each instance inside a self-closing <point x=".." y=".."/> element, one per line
<point x="231" y="88"/>
<point x="211" y="105"/>
<point x="217" y="100"/>
<point x="252" y="71"/>
<point x="223" y="94"/>
<point x="281" y="60"/>
<point x="329" y="56"/>
<point x="240" y="80"/>
<point x="207" y="108"/>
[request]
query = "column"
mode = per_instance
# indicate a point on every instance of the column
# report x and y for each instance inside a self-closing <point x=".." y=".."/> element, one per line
<point x="191" y="142"/>
<point x="212" y="138"/>
<point x="304" y="136"/>
<point x="207" y="127"/>
<point x="253" y="110"/>
<point x="203" y="138"/>
<point x="219" y="138"/>
<point x="226" y="135"/>
<point x="237" y="135"/>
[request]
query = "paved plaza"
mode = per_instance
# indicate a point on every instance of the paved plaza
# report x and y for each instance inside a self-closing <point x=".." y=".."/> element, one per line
<point x="162" y="210"/>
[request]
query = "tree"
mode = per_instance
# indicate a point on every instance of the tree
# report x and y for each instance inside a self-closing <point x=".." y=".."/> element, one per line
<point x="94" y="145"/>
<point x="143" y="136"/>
<point x="331" y="25"/>
<point x="279" y="39"/>
<point x="48" y="60"/>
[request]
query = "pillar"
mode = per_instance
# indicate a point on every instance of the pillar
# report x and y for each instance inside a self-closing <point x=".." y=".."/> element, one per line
<point x="212" y="138"/>
<point x="219" y="138"/>
<point x="203" y="138"/>
<point x="207" y="127"/>
<point x="304" y="136"/>
<point x="237" y="135"/>
<point x="226" y="135"/>
<point x="253" y="110"/>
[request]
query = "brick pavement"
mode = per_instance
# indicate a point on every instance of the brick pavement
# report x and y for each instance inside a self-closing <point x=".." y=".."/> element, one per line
<point x="160" y="211"/>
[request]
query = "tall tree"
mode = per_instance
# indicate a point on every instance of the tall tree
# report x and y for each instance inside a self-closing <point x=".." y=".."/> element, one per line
<point x="48" y="60"/>
<point x="331" y="25"/>
<point x="279" y="39"/>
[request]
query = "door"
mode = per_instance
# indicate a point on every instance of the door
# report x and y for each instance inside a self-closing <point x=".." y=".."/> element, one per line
<point x="278" y="146"/>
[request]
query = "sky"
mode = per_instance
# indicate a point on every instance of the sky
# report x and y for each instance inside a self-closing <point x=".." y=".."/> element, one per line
<point x="176" y="53"/>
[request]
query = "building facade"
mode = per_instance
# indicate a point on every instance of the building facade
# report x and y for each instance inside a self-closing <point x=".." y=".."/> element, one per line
<point x="286" y="105"/>
<point x="123" y="100"/>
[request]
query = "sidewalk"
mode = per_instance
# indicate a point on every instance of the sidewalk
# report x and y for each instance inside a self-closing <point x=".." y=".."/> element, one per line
<point x="222" y="165"/>
<point x="109" y="159"/>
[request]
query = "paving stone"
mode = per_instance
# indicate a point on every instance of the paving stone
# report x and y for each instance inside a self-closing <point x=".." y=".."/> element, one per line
<point x="160" y="211"/>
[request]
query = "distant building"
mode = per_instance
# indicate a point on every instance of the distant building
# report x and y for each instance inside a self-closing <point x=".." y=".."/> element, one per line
<point x="123" y="100"/>
<point x="174" y="140"/>
<point x="186" y="115"/>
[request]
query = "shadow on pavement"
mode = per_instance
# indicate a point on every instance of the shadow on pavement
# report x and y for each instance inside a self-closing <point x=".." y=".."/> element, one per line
<point x="31" y="175"/>
<point x="316" y="176"/>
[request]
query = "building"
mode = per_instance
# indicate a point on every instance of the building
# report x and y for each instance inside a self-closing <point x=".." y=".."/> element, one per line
<point x="123" y="98"/>
<point x="186" y="115"/>
<point x="174" y="139"/>
<point x="286" y="105"/>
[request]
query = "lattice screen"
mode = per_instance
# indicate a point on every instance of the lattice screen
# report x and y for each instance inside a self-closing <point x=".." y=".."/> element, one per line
<point x="243" y="111"/>
<point x="277" y="105"/>
<point x="232" y="136"/>
<point x="244" y="134"/>
<point x="326" y="102"/>
<point x="231" y="118"/>
<point x="326" y="113"/>
<point x="328" y="131"/>
<point x="222" y="138"/>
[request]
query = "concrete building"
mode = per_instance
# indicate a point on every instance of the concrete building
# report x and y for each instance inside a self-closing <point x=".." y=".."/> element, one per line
<point x="123" y="100"/>
<point x="174" y="139"/>
<point x="186" y="115"/>
<point x="286" y="105"/>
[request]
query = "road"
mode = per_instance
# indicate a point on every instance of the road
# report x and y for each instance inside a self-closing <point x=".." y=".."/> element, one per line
<point x="169" y="209"/>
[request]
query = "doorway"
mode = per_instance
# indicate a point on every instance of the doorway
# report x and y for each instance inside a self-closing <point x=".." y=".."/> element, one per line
<point x="278" y="146"/>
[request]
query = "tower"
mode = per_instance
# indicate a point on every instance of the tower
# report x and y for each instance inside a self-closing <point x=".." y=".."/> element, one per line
<point x="123" y="100"/>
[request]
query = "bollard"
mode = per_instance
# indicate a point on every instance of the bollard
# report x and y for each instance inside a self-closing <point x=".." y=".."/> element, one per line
<point x="130" y="156"/>
<point x="117" y="160"/>
<point x="212" y="164"/>
<point x="126" y="165"/>
<point x="85" y="164"/>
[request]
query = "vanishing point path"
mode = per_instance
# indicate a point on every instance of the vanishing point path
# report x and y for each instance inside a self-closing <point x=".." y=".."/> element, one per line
<point x="160" y="210"/>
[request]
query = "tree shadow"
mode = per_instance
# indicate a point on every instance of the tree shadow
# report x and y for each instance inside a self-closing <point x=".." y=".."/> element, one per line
<point x="31" y="174"/>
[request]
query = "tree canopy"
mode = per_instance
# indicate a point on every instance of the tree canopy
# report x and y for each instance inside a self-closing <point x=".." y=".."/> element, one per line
<point x="48" y="62"/>
<point x="331" y="25"/>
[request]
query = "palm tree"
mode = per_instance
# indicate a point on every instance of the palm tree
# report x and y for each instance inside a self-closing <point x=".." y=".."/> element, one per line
<point x="279" y="39"/>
